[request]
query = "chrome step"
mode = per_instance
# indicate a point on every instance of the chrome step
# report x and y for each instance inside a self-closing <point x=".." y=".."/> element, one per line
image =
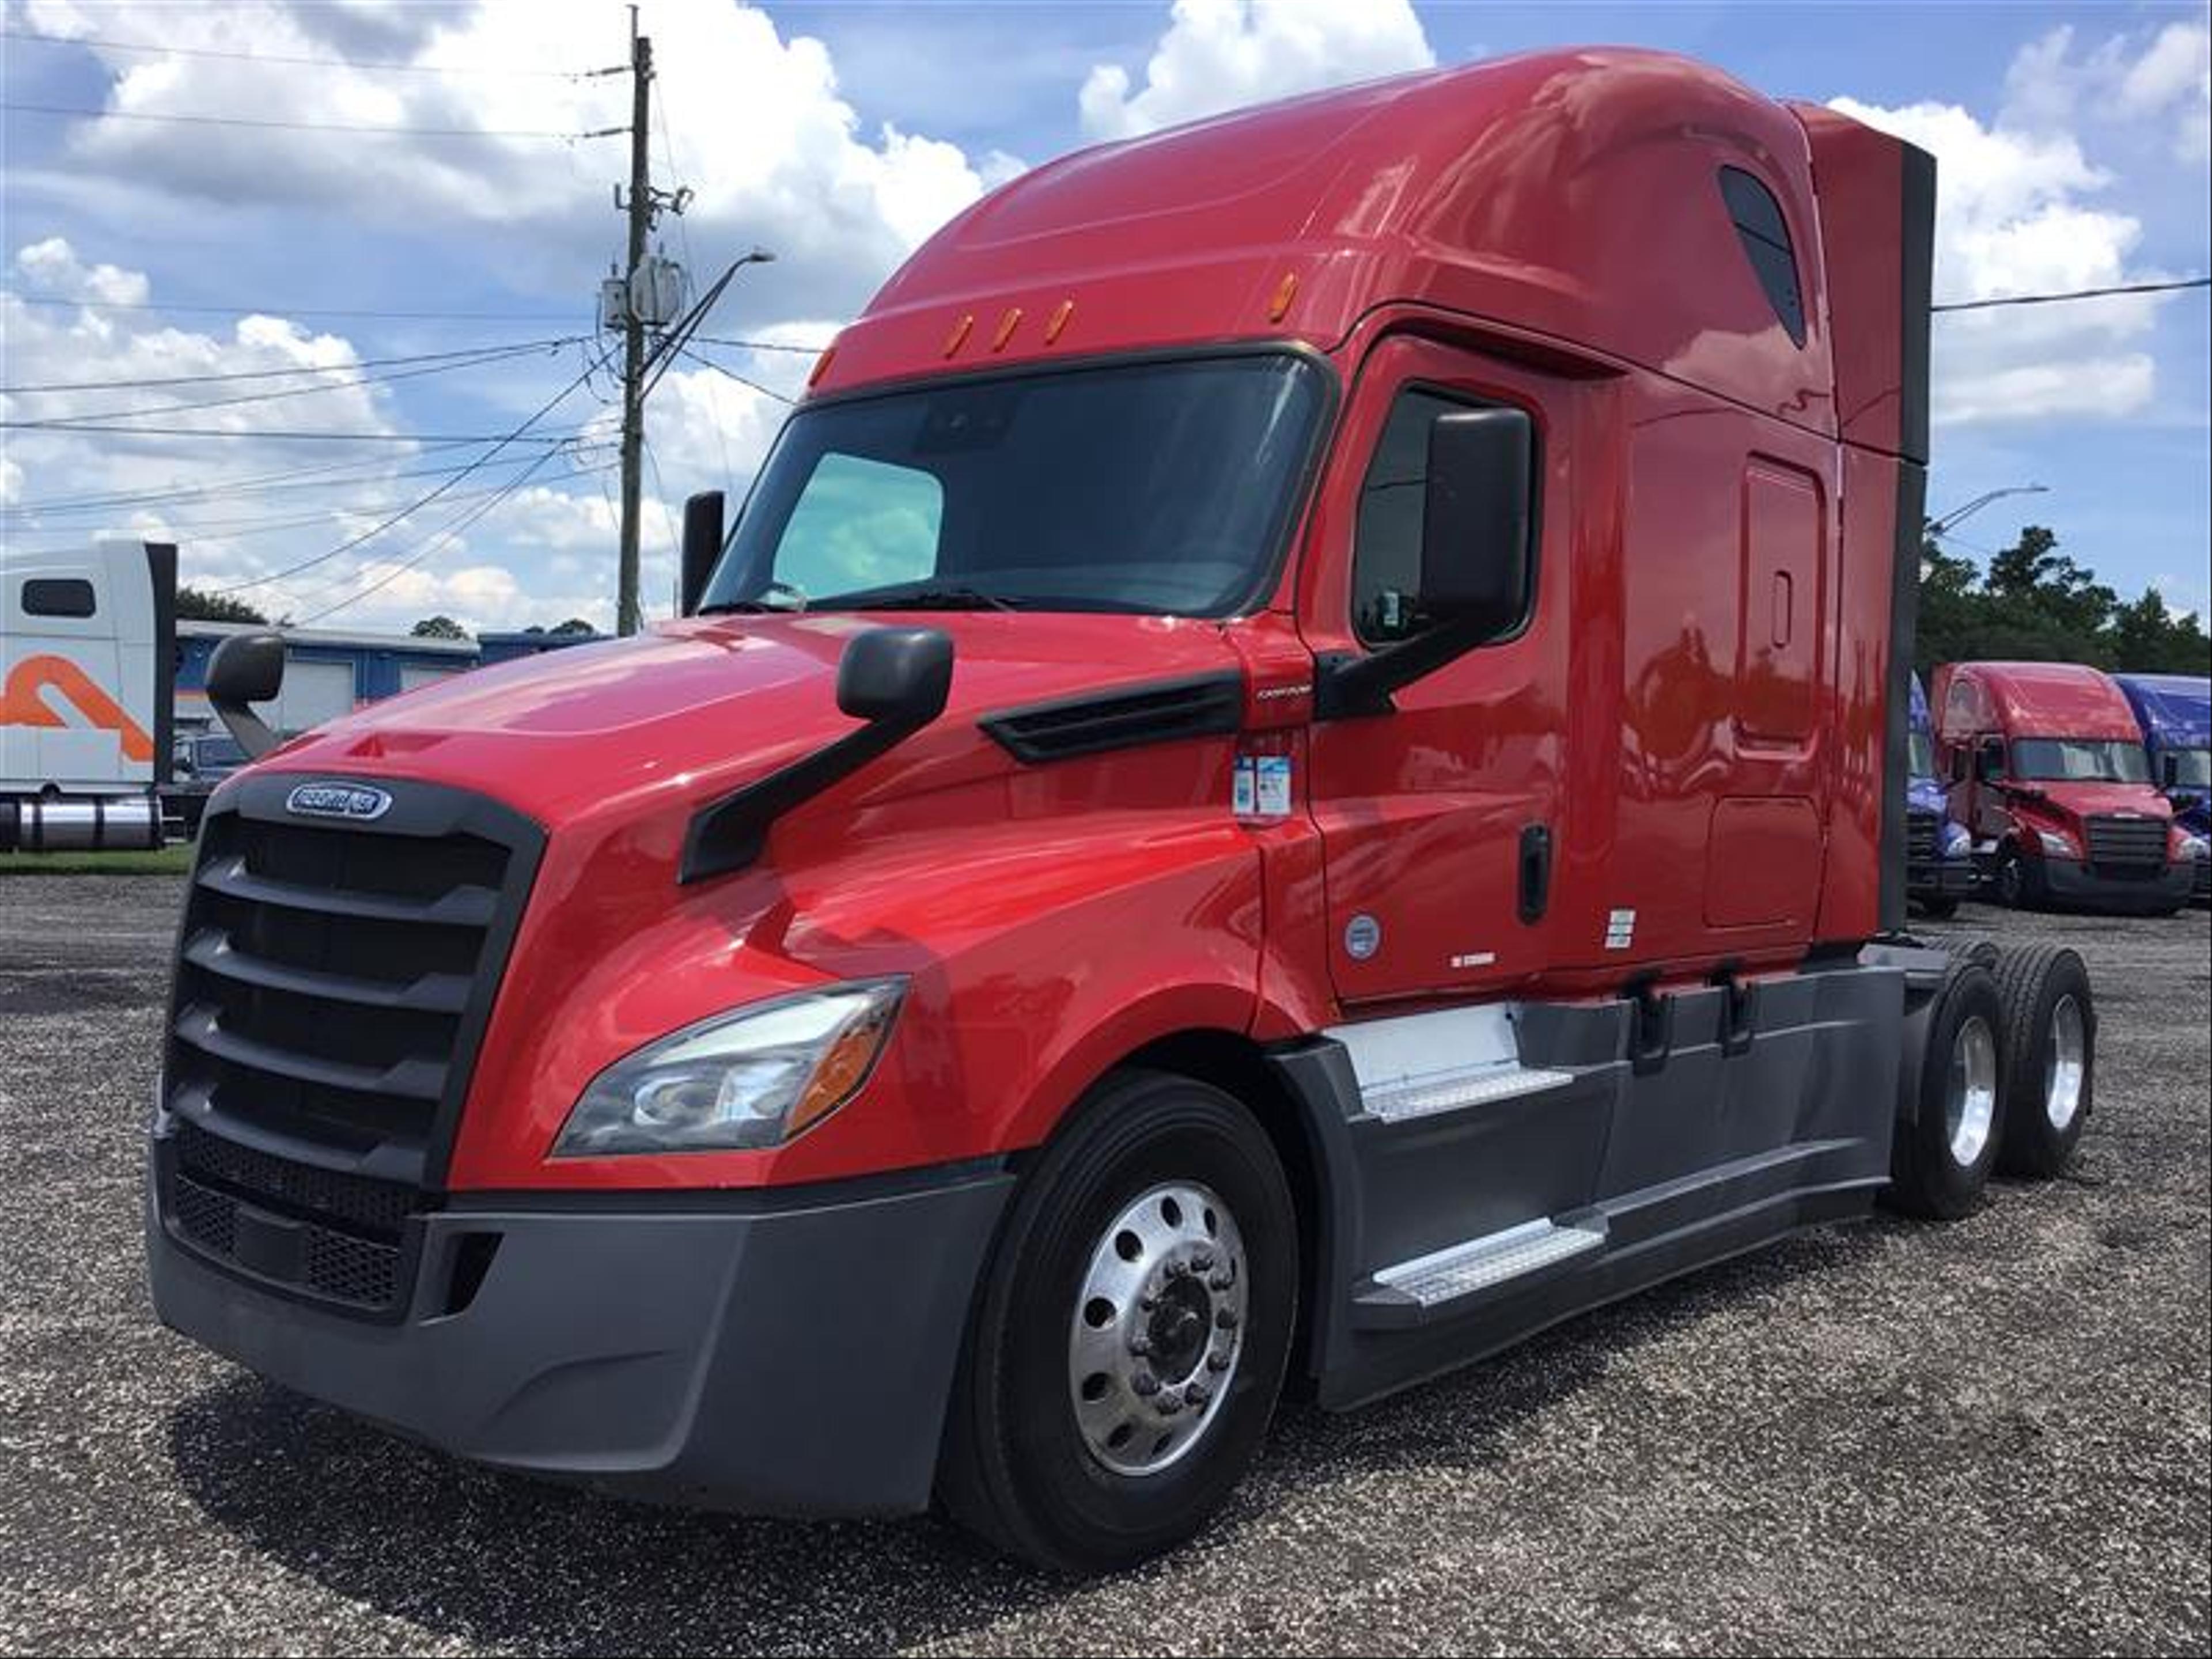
<point x="1448" y="1091"/>
<point x="1459" y="1271"/>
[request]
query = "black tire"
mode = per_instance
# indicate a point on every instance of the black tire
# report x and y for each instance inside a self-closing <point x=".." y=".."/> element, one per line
<point x="1016" y="1467"/>
<point x="2021" y="883"/>
<point x="2034" y="982"/>
<point x="1927" y="1176"/>
<point x="1939" y="907"/>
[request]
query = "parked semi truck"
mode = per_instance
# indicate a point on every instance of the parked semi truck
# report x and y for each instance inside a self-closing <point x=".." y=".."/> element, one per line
<point x="2174" y="714"/>
<point x="1294" y="770"/>
<point x="87" y="650"/>
<point x="2050" y="774"/>
<point x="1939" y="850"/>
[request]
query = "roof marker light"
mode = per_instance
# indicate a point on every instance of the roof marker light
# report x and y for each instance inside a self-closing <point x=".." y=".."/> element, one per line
<point x="1058" y="320"/>
<point x="1007" y="324"/>
<point x="1285" y="291"/>
<point x="958" y="337"/>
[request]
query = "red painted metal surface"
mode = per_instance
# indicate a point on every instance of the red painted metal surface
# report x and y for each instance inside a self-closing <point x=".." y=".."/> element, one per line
<point x="1694" y="710"/>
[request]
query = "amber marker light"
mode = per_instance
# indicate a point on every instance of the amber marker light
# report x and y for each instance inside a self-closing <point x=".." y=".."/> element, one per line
<point x="1058" y="320"/>
<point x="1285" y="291"/>
<point x="958" y="337"/>
<point x="1007" y="324"/>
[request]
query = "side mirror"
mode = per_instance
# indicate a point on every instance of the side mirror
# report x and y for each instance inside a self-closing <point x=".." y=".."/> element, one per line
<point x="2169" y="770"/>
<point x="1476" y="520"/>
<point x="1477" y="548"/>
<point x="702" y="545"/>
<point x="246" y="668"/>
<point x="895" y="675"/>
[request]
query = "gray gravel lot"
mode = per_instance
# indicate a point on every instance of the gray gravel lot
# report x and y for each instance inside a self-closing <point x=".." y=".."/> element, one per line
<point x="1992" y="1436"/>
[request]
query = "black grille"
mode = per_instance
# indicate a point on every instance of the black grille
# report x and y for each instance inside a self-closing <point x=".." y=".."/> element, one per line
<point x="379" y="1206"/>
<point x="2127" y="843"/>
<point x="333" y="981"/>
<point x="1923" y="834"/>
<point x="362" y="1271"/>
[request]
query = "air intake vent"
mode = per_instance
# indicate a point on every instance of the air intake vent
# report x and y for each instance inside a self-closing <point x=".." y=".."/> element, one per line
<point x="1207" y="705"/>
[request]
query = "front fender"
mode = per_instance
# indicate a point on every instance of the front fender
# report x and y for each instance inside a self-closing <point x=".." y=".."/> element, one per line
<point x="1037" y="954"/>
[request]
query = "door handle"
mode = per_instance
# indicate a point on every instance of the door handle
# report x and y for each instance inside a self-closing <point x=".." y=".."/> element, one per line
<point x="1535" y="871"/>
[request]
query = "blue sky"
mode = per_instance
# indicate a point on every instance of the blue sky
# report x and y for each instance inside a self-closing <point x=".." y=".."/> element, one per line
<point x="2073" y="142"/>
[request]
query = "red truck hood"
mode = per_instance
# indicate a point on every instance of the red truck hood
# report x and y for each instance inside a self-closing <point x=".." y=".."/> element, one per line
<point x="2073" y="801"/>
<point x="697" y="708"/>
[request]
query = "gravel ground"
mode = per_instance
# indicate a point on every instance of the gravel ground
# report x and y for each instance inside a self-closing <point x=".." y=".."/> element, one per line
<point x="1987" y="1437"/>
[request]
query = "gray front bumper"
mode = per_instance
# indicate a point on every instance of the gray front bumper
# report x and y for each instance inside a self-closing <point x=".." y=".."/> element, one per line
<point x="2085" y="887"/>
<point x="787" y="1356"/>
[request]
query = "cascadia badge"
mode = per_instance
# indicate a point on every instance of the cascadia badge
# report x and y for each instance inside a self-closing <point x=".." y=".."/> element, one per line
<point x="355" y="802"/>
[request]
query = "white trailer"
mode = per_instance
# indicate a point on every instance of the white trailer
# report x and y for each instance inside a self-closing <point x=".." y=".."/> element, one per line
<point x="88" y="660"/>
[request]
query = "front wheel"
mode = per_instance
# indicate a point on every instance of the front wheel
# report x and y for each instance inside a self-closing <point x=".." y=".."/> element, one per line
<point x="2021" y="884"/>
<point x="1133" y="1332"/>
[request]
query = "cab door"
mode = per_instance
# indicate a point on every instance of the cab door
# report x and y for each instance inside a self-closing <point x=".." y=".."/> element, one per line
<point x="1440" y="818"/>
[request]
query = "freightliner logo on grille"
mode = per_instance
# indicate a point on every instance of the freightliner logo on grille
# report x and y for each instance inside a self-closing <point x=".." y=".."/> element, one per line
<point x="357" y="802"/>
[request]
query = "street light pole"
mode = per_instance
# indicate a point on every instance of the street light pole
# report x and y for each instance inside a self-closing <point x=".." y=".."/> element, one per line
<point x="1957" y="515"/>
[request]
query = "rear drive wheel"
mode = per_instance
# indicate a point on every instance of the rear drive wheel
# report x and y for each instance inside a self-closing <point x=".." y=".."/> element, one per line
<point x="2049" y="1056"/>
<point x="1134" y="1327"/>
<point x="1941" y="1162"/>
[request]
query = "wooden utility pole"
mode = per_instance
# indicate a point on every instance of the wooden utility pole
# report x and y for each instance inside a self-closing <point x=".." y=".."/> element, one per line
<point x="627" y="617"/>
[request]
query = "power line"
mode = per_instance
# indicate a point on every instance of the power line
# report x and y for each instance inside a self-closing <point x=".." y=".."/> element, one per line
<point x="318" y="476"/>
<point x="486" y="360"/>
<point x="759" y="345"/>
<point x="64" y="110"/>
<point x="2076" y="294"/>
<point x="416" y="505"/>
<point x="275" y="57"/>
<point x="552" y="342"/>
<point x="724" y="370"/>
<point x="286" y="435"/>
<point x="294" y="311"/>
<point x="446" y="535"/>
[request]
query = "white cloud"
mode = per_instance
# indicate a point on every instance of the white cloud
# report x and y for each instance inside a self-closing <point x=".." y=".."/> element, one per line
<point x="2163" y="79"/>
<point x="1218" y="54"/>
<point x="760" y="133"/>
<point x="2014" y="215"/>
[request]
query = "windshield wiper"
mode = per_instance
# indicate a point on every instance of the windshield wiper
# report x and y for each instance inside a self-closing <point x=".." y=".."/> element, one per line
<point x="921" y="596"/>
<point x="760" y="605"/>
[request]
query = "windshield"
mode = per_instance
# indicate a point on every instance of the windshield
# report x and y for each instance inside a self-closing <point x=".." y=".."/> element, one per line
<point x="2194" y="768"/>
<point x="1921" y="757"/>
<point x="2080" y="760"/>
<point x="1162" y="488"/>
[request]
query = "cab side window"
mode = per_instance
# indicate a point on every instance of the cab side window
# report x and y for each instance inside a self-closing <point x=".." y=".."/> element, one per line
<point x="1990" y="760"/>
<point x="58" y="595"/>
<point x="1386" y="552"/>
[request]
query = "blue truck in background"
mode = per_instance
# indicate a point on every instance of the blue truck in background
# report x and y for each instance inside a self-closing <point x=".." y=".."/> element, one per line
<point x="1939" y="849"/>
<point x="2175" y="713"/>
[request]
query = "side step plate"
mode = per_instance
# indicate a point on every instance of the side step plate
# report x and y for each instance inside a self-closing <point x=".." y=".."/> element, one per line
<point x="1450" y="1281"/>
<point x="1450" y="1090"/>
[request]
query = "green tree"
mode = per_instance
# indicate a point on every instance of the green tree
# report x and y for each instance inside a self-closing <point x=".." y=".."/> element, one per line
<point x="571" y="627"/>
<point x="197" y="604"/>
<point x="2147" y="638"/>
<point x="439" y="628"/>
<point x="2038" y="604"/>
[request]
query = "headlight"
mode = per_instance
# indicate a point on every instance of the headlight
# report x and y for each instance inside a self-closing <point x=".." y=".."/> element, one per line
<point x="755" y="1077"/>
<point x="1958" y="841"/>
<point x="2196" y="847"/>
<point x="2058" y="844"/>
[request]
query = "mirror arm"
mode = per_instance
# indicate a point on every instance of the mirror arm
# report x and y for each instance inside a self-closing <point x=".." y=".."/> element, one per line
<point x="1352" y="686"/>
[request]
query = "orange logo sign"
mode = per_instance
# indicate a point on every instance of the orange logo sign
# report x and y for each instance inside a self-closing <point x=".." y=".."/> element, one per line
<point x="21" y="703"/>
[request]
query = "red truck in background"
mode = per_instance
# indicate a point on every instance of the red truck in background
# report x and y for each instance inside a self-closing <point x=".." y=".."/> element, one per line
<point x="2050" y="775"/>
<point x="1294" y="770"/>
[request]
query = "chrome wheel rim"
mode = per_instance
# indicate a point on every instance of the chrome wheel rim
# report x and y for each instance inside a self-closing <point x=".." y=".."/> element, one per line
<point x="1970" y="1104"/>
<point x="2065" y="1063"/>
<point x="1158" y="1328"/>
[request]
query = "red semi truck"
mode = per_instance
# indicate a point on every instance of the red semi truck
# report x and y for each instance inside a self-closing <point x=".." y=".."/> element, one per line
<point x="1293" y="771"/>
<point x="2050" y="775"/>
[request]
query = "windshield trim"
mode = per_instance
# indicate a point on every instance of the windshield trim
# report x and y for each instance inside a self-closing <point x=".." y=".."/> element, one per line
<point x="2013" y="758"/>
<point x="1267" y="571"/>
